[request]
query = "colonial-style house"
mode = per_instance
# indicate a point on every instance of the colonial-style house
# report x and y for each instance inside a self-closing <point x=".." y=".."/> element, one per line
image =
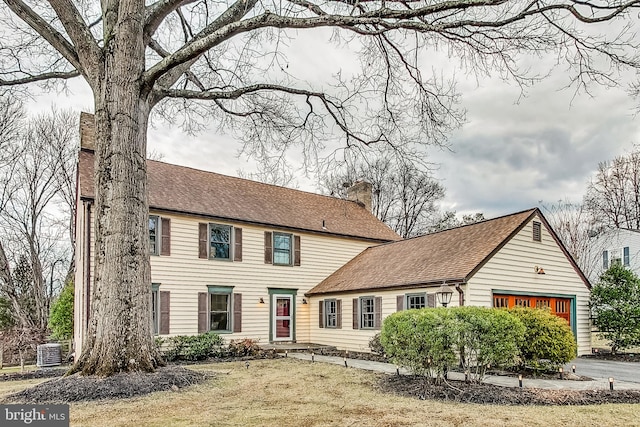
<point x="230" y="255"/>
<point x="619" y="245"/>
<point x="514" y="260"/>
<point x="247" y="259"/>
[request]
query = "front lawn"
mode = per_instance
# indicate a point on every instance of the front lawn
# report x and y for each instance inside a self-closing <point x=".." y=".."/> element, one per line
<point x="289" y="392"/>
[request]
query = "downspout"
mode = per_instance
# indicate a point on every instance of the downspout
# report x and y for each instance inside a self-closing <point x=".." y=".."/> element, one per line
<point x="87" y="266"/>
<point x="460" y="295"/>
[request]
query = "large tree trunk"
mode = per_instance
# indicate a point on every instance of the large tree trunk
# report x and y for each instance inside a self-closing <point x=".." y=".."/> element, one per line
<point x="120" y="337"/>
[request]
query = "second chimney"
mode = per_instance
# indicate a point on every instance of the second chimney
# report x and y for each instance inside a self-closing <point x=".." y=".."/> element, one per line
<point x="360" y="192"/>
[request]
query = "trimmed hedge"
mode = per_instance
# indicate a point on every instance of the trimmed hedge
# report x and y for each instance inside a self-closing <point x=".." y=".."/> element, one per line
<point x="421" y="340"/>
<point x="191" y="347"/>
<point x="432" y="341"/>
<point x="486" y="337"/>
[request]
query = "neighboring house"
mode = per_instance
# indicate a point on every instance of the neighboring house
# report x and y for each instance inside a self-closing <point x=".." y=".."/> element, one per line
<point x="619" y="245"/>
<point x="227" y="254"/>
<point x="512" y="260"/>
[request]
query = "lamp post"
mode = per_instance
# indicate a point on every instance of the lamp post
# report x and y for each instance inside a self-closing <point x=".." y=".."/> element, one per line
<point x="444" y="294"/>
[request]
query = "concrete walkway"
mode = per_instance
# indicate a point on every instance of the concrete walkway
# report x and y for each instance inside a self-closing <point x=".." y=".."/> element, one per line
<point x="505" y="381"/>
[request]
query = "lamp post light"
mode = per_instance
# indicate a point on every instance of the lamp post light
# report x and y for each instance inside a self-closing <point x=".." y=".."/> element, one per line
<point x="444" y="294"/>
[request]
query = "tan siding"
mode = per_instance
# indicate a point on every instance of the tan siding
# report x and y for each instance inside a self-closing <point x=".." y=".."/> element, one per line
<point x="347" y="338"/>
<point x="184" y="275"/>
<point x="512" y="268"/>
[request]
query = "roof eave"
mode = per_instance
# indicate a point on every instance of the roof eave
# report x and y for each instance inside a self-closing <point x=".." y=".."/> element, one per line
<point x="428" y="284"/>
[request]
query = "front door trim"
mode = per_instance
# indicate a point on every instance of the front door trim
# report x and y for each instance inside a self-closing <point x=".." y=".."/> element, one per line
<point x="273" y="293"/>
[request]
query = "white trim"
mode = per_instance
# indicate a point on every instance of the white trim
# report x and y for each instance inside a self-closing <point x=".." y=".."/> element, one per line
<point x="290" y="317"/>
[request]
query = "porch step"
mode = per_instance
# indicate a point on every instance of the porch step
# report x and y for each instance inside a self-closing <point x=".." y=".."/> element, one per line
<point x="299" y="347"/>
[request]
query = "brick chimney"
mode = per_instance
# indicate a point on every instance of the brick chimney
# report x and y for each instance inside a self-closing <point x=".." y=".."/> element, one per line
<point x="87" y="131"/>
<point x="360" y="192"/>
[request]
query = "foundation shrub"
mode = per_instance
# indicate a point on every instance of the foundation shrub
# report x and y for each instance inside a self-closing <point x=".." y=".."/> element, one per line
<point x="421" y="341"/>
<point x="486" y="337"/>
<point x="191" y="347"/>
<point x="548" y="341"/>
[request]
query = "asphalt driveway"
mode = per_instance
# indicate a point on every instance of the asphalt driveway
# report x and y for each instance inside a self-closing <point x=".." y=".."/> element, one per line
<point x="597" y="368"/>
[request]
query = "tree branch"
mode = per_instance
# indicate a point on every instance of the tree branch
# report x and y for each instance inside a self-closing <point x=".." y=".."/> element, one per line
<point x="40" y="77"/>
<point x="50" y="34"/>
<point x="88" y="50"/>
<point x="157" y="12"/>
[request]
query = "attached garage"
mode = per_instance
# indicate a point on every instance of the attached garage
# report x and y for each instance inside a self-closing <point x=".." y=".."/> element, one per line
<point x="513" y="260"/>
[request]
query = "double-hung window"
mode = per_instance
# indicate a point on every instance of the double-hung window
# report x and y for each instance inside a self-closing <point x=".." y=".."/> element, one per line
<point x="331" y="313"/>
<point x="416" y="301"/>
<point x="219" y="241"/>
<point x="367" y="313"/>
<point x="282" y="245"/>
<point x="219" y="311"/>
<point x="154" y="235"/>
<point x="155" y="305"/>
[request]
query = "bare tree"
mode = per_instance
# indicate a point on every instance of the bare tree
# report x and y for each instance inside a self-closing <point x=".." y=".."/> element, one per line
<point x="576" y="227"/>
<point x="34" y="218"/>
<point x="271" y="171"/>
<point x="449" y="219"/>
<point x="613" y="196"/>
<point x="134" y="55"/>
<point x="404" y="194"/>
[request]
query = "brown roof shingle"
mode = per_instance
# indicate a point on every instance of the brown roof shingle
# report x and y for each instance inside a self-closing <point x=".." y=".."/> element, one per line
<point x="182" y="189"/>
<point x="450" y="255"/>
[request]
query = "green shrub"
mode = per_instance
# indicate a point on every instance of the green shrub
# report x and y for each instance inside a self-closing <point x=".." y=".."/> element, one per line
<point x="421" y="340"/>
<point x="548" y="341"/>
<point x="191" y="347"/>
<point x="615" y="305"/>
<point x="61" y="316"/>
<point x="486" y="336"/>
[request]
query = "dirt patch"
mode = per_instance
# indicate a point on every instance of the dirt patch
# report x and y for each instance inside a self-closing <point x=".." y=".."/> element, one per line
<point x="76" y="388"/>
<point x="489" y="394"/>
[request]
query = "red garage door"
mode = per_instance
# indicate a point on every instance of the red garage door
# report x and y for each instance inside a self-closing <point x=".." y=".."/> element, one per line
<point x="561" y="307"/>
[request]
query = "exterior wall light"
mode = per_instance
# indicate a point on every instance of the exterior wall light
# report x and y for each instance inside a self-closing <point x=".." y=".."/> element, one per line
<point x="443" y="294"/>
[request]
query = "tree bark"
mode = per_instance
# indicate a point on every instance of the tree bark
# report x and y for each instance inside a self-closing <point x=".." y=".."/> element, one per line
<point x="120" y="338"/>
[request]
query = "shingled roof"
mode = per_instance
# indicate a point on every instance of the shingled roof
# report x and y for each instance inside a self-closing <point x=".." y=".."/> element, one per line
<point x="452" y="255"/>
<point x="185" y="190"/>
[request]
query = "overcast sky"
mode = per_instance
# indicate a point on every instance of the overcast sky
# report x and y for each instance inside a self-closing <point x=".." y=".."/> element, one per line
<point x="511" y="154"/>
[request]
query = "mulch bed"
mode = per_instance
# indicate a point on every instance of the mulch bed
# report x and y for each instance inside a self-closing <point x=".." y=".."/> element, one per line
<point x="76" y="388"/>
<point x="32" y="375"/>
<point x="489" y="394"/>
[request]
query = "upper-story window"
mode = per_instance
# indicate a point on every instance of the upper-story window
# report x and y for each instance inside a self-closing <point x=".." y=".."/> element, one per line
<point x="159" y="235"/>
<point x="154" y="226"/>
<point x="616" y="256"/>
<point x="282" y="243"/>
<point x="281" y="248"/>
<point x="537" y="231"/>
<point x="220" y="241"/>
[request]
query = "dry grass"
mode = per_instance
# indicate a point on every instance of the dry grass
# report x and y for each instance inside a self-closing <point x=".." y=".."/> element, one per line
<point x="289" y="392"/>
